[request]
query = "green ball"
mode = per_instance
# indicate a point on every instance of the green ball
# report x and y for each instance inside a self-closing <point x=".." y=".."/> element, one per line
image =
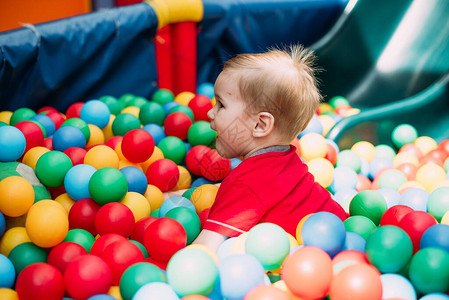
<point x="163" y="96"/>
<point x="392" y="179"/>
<point x="188" y="219"/>
<point x="152" y="113"/>
<point x="403" y="134"/>
<point x="114" y="105"/>
<point x="385" y="151"/>
<point x="438" y="203"/>
<point x="370" y="204"/>
<point x="26" y="254"/>
<point x="338" y="101"/>
<point x="188" y="193"/>
<point x="200" y="133"/>
<point x="182" y="108"/>
<point x="51" y="168"/>
<point x="268" y="243"/>
<point x="125" y="99"/>
<point x="429" y="271"/>
<point x="389" y="249"/>
<point x="123" y="123"/>
<point x="349" y="159"/>
<point x="108" y="185"/>
<point x="137" y="276"/>
<point x="81" y="124"/>
<point x="173" y="148"/>
<point x="361" y="225"/>
<point x="138" y="102"/>
<point x="192" y="271"/>
<point x="21" y="114"/>
<point x="81" y="237"/>
<point x="155" y="213"/>
<point x="141" y="247"/>
<point x="41" y="193"/>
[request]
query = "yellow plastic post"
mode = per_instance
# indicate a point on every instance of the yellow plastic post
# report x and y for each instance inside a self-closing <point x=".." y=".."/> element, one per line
<point x="175" y="11"/>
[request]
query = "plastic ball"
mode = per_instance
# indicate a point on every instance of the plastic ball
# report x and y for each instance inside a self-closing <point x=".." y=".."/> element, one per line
<point x="67" y="137"/>
<point x="370" y="204"/>
<point x="193" y="158"/>
<point x="76" y="181"/>
<point x="74" y="110"/>
<point x="175" y="201"/>
<point x="154" y="196"/>
<point x="403" y="134"/>
<point x="415" y="198"/>
<point x="430" y="175"/>
<point x="163" y="238"/>
<point x="173" y="148"/>
<point x="152" y="113"/>
<point x="312" y="267"/>
<point x="137" y="145"/>
<point x="75" y="154"/>
<point x="349" y="159"/>
<point x="95" y="112"/>
<point x="156" y="131"/>
<point x="7" y="272"/>
<point x="21" y="114"/>
<point x="82" y="215"/>
<point x="32" y="132"/>
<point x="52" y="167"/>
<point x="185" y="179"/>
<point x="344" y="178"/>
<point x="11" y="238"/>
<point x="108" y="185"/>
<point x="87" y="275"/>
<point x="138" y="205"/>
<point x="137" y="181"/>
<point x="414" y="224"/>
<point x="426" y="144"/>
<point x="361" y="225"/>
<point x="397" y="286"/>
<point x="62" y="254"/>
<point x="377" y="164"/>
<point x="140" y="227"/>
<point x="81" y="124"/>
<point x="435" y="296"/>
<point x="188" y="219"/>
<point x="192" y="272"/>
<point x="206" y="88"/>
<point x="124" y="122"/>
<point x="163" y="173"/>
<point x="177" y="124"/>
<point x="429" y="271"/>
<point x="204" y="196"/>
<point x="31" y="157"/>
<point x="344" y="197"/>
<point x="115" y="217"/>
<point x="200" y="133"/>
<point x="113" y="104"/>
<point x="394" y="215"/>
<point x="26" y="254"/>
<point x="436" y="236"/>
<point x="12" y="143"/>
<point x="96" y="136"/>
<point x="200" y="105"/>
<point x="392" y="179"/>
<point x="312" y="145"/>
<point x="12" y="202"/>
<point x="137" y="276"/>
<point x="182" y="109"/>
<point x="155" y="291"/>
<point x="184" y="98"/>
<point x="213" y="166"/>
<point x="322" y="170"/>
<point x="81" y="237"/>
<point x="324" y="230"/>
<point x="438" y="203"/>
<point x="101" y="156"/>
<point x="103" y="241"/>
<point x="354" y="241"/>
<point x="40" y="281"/>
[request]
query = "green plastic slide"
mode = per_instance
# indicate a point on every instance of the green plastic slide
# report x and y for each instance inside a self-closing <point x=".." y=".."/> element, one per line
<point x="391" y="60"/>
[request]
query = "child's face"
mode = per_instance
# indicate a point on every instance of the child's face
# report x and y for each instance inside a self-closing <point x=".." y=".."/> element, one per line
<point x="229" y="117"/>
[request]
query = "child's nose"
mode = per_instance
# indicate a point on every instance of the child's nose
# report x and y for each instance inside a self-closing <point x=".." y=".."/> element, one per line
<point x="211" y="114"/>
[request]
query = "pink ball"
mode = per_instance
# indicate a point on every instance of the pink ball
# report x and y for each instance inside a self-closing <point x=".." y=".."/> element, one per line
<point x="163" y="173"/>
<point x="61" y="255"/>
<point x="214" y="167"/>
<point x="177" y="124"/>
<point x="137" y="145"/>
<point x="40" y="281"/>
<point x="115" y="217"/>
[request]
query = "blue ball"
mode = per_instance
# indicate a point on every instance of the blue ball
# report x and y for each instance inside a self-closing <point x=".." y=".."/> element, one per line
<point x="364" y="167"/>
<point x="415" y="198"/>
<point x="7" y="272"/>
<point x="354" y="241"/>
<point x="12" y="143"/>
<point x="206" y="89"/>
<point x="235" y="162"/>
<point x="48" y="123"/>
<point x="175" y="201"/>
<point x="156" y="131"/>
<point x="435" y="296"/>
<point x="396" y="286"/>
<point x="155" y="291"/>
<point x="200" y="181"/>
<point x="169" y="105"/>
<point x="2" y="224"/>
<point x="239" y="273"/>
<point x="68" y="136"/>
<point x="95" y="112"/>
<point x="324" y="230"/>
<point x="314" y="126"/>
<point x="344" y="178"/>
<point x="391" y="196"/>
<point x="137" y="180"/>
<point x="436" y="236"/>
<point x="101" y="297"/>
<point x="76" y="181"/>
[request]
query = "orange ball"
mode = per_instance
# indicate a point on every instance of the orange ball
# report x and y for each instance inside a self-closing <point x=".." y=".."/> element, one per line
<point x="312" y="267"/>
<point x="16" y="196"/>
<point x="101" y="156"/>
<point x="299" y="228"/>
<point x="409" y="170"/>
<point x="363" y="183"/>
<point x="204" y="196"/>
<point x="267" y="292"/>
<point x="32" y="156"/>
<point x="195" y="297"/>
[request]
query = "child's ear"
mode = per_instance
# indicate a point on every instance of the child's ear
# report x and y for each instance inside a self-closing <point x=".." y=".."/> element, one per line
<point x="264" y="124"/>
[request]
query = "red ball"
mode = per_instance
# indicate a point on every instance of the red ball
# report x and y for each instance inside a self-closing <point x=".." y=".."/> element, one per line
<point x="33" y="134"/>
<point x="213" y="166"/>
<point x="177" y="124"/>
<point x="115" y="217"/>
<point x="114" y="141"/>
<point x="163" y="173"/>
<point x="46" y="109"/>
<point x="87" y="275"/>
<point x="394" y="215"/>
<point x="140" y="227"/>
<point x="62" y="254"/>
<point x="331" y="154"/>
<point x="74" y="110"/>
<point x="56" y="117"/>
<point x="48" y="143"/>
<point x="82" y="215"/>
<point x="40" y="281"/>
<point x="119" y="256"/>
<point x="76" y="155"/>
<point x="103" y="241"/>
<point x="163" y="238"/>
<point x="56" y="191"/>
<point x="193" y="158"/>
<point x="137" y="145"/>
<point x="200" y="105"/>
<point x="415" y="223"/>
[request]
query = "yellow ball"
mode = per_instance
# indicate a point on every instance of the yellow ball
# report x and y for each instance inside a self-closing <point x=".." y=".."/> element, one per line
<point x="364" y="150"/>
<point x="351" y="112"/>
<point x="292" y="240"/>
<point x="445" y="218"/>
<point x="133" y="110"/>
<point x="184" y="98"/>
<point x="214" y="101"/>
<point x="430" y="175"/>
<point x="126" y="163"/>
<point x="157" y="154"/>
<point x="327" y="122"/>
<point x="107" y="131"/>
<point x="114" y="291"/>
<point x="13" y="237"/>
<point x="411" y="184"/>
<point x="322" y="170"/>
<point x="184" y="181"/>
<point x="312" y="145"/>
<point x="239" y="244"/>
<point x="426" y="144"/>
<point x="8" y="294"/>
<point x="324" y="108"/>
<point x="444" y="183"/>
<point x="204" y="196"/>
<point x="101" y="156"/>
<point x="47" y="223"/>
<point x="31" y="156"/>
<point x="138" y="204"/>
<point x="154" y="196"/>
<point x="16" y="196"/>
<point x="5" y="116"/>
<point x="96" y="136"/>
<point x="66" y="201"/>
<point x="299" y="228"/>
<point x="118" y="150"/>
<point x="405" y="157"/>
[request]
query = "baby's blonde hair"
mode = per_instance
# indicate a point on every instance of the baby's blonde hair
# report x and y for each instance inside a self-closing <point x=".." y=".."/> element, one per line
<point x="281" y="82"/>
